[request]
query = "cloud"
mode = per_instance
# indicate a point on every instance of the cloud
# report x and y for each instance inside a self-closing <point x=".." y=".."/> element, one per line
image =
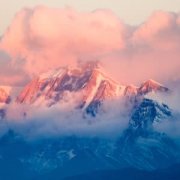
<point x="41" y="38"/>
<point x="159" y="31"/>
<point x="152" y="51"/>
<point x="64" y="119"/>
<point x="9" y="73"/>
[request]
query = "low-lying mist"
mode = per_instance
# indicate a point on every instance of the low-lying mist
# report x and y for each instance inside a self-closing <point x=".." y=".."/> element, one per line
<point x="63" y="119"/>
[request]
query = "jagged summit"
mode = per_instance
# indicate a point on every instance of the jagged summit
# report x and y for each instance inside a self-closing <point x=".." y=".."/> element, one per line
<point x="94" y="86"/>
<point x="72" y="70"/>
<point x="151" y="85"/>
<point x="88" y="79"/>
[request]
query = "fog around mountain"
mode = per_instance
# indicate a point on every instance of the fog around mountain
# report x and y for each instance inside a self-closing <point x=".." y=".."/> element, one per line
<point x="64" y="116"/>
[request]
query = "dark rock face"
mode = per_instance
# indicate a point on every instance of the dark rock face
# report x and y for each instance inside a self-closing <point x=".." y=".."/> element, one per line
<point x="93" y="108"/>
<point x="147" y="113"/>
<point x="141" y="146"/>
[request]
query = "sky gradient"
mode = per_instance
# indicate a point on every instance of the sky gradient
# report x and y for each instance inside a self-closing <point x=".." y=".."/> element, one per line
<point x="131" y="12"/>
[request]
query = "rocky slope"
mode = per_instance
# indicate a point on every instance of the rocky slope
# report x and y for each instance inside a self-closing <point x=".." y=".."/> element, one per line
<point x="89" y="83"/>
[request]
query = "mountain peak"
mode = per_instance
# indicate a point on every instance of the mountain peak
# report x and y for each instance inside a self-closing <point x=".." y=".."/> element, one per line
<point x="72" y="70"/>
<point x="151" y="85"/>
<point x="88" y="79"/>
<point x="152" y="82"/>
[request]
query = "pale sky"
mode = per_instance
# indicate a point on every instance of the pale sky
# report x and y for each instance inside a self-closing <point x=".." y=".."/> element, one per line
<point x="130" y="11"/>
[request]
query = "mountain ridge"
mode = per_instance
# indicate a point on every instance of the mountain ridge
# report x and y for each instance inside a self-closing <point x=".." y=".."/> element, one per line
<point x="92" y="83"/>
<point x="139" y="145"/>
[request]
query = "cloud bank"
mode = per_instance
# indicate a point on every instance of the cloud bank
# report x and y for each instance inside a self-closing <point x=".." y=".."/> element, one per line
<point x="64" y="119"/>
<point x="41" y="38"/>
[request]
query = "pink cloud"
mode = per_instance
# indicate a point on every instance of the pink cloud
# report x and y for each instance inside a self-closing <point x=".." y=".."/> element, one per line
<point x="161" y="31"/>
<point x="47" y="37"/>
<point x="10" y="74"/>
<point x="43" y="38"/>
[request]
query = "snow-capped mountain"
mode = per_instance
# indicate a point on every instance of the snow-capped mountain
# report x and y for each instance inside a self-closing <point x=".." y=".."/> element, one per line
<point x="52" y="87"/>
<point x="151" y="86"/>
<point x="139" y="146"/>
<point x="90" y="82"/>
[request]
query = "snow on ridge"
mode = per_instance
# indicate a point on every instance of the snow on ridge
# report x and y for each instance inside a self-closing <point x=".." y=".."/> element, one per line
<point x="94" y="90"/>
<point x="152" y="82"/>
